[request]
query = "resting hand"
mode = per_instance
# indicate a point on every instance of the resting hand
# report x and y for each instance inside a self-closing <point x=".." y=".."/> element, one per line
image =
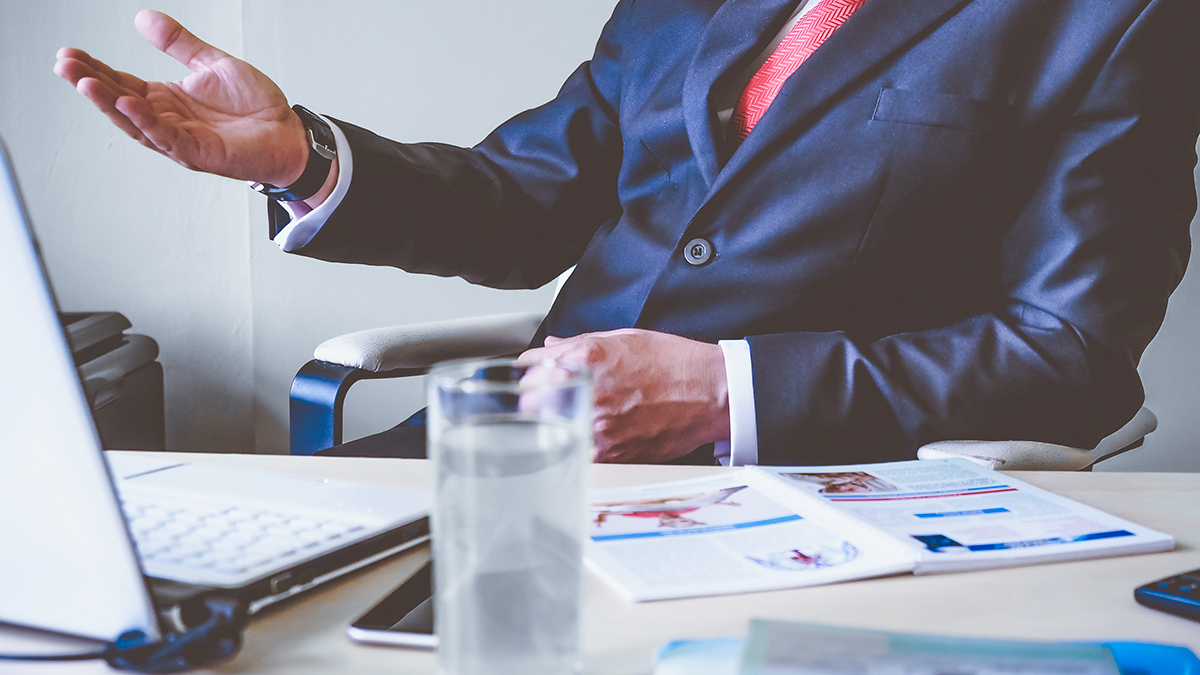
<point x="658" y="396"/>
<point x="225" y="117"/>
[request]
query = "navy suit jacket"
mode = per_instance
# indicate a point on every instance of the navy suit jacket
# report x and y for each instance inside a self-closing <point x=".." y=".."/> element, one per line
<point x="958" y="219"/>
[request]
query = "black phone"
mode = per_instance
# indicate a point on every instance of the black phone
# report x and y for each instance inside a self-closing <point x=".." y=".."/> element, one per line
<point x="1179" y="595"/>
<point x="404" y="618"/>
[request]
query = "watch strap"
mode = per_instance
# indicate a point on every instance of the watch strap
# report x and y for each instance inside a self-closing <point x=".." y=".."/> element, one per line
<point x="322" y="148"/>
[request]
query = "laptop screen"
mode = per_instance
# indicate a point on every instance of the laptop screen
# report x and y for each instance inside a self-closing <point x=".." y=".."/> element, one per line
<point x="67" y="564"/>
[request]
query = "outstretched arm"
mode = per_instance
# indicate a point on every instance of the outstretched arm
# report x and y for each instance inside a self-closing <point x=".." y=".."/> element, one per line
<point x="225" y="118"/>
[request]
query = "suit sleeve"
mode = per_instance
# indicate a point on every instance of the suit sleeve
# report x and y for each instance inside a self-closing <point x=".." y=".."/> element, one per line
<point x="1086" y="269"/>
<point x="513" y="212"/>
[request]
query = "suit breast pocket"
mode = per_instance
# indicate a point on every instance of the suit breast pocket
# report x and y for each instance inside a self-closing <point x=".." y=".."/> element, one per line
<point x="904" y="106"/>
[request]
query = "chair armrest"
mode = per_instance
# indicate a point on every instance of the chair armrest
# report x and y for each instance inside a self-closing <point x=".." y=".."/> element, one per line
<point x="319" y="388"/>
<point x="1035" y="456"/>
<point x="422" y="345"/>
<point x="317" y="398"/>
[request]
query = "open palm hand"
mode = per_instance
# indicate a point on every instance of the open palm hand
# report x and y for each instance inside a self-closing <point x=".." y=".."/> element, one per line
<point x="226" y="117"/>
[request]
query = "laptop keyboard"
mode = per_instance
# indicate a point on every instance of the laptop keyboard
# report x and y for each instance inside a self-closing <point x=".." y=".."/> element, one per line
<point x="227" y="544"/>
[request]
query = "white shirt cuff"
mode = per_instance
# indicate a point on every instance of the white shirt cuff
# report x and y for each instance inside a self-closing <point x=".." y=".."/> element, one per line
<point x="306" y="222"/>
<point x="743" y="430"/>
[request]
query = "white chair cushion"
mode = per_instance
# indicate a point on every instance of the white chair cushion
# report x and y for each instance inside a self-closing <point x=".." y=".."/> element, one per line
<point x="1035" y="456"/>
<point x="422" y="345"/>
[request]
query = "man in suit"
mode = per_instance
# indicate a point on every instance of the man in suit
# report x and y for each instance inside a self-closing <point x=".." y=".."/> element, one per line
<point x="954" y="219"/>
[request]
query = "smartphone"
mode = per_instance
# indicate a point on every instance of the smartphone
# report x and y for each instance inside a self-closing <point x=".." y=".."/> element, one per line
<point x="1179" y="595"/>
<point x="404" y="618"/>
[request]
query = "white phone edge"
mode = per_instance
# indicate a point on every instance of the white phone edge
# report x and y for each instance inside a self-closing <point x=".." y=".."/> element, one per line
<point x="391" y="638"/>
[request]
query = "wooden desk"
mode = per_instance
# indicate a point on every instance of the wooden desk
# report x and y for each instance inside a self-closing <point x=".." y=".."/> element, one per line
<point x="1089" y="600"/>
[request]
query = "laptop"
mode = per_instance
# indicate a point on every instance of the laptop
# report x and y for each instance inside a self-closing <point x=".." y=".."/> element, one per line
<point x="98" y="547"/>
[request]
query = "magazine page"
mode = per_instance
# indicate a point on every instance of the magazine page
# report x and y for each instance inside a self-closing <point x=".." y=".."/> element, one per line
<point x="726" y="535"/>
<point x="959" y="515"/>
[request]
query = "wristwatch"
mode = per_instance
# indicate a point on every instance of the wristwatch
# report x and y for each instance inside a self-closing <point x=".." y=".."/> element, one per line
<point x="322" y="150"/>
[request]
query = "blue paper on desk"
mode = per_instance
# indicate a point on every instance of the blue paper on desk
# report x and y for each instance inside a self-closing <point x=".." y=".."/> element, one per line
<point x="770" y="647"/>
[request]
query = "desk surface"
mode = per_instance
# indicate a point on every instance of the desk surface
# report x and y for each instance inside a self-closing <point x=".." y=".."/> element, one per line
<point x="1087" y="600"/>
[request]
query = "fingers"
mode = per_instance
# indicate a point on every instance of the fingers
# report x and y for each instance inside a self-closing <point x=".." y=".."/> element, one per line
<point x="101" y="85"/>
<point x="163" y="136"/>
<point x="535" y="355"/>
<point x="169" y="36"/>
<point x="584" y="350"/>
<point x="551" y="352"/>
<point x="75" y="64"/>
<point x="105" y="99"/>
<point x="131" y="114"/>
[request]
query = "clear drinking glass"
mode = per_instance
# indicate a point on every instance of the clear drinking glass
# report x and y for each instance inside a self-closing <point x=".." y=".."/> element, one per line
<point x="510" y="448"/>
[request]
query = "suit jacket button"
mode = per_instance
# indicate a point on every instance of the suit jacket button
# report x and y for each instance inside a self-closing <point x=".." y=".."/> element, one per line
<point x="698" y="252"/>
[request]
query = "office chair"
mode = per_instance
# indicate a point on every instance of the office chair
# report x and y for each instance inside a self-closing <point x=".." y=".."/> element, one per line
<point x="319" y="389"/>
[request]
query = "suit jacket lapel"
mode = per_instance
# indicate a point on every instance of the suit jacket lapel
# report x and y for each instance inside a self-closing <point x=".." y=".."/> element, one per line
<point x="731" y="39"/>
<point x="877" y="30"/>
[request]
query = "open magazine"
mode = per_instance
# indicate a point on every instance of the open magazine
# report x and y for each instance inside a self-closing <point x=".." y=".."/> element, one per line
<point x="765" y="528"/>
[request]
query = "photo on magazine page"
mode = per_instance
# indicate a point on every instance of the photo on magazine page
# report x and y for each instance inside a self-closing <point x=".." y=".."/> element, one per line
<point x="708" y="537"/>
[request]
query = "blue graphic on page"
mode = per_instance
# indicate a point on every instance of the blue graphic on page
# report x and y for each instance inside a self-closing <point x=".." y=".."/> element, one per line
<point x="938" y="543"/>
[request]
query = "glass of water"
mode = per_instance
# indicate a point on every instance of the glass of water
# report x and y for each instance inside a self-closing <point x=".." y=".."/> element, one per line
<point x="510" y="448"/>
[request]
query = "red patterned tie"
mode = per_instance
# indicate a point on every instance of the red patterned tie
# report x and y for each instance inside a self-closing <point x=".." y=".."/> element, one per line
<point x="801" y="41"/>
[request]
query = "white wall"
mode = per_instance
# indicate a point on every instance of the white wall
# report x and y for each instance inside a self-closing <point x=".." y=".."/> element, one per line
<point x="185" y="256"/>
<point x="125" y="229"/>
